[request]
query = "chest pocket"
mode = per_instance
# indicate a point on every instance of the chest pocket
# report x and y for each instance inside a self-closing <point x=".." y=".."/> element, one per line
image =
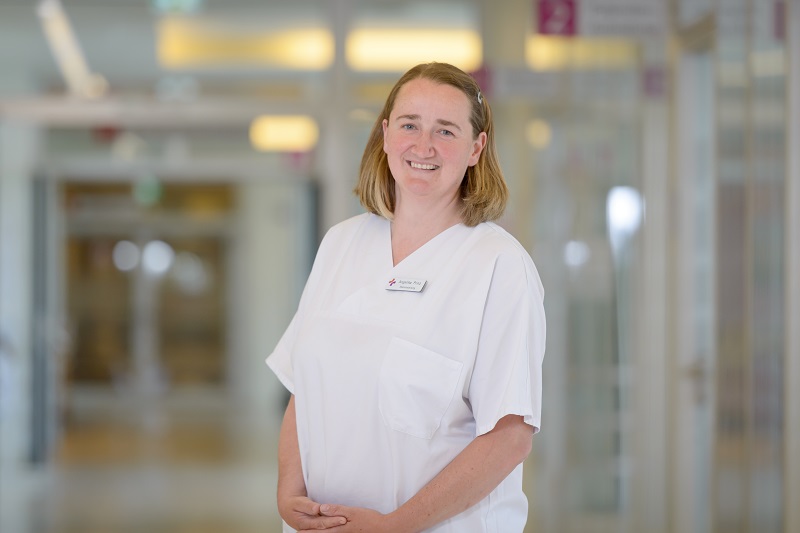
<point x="416" y="387"/>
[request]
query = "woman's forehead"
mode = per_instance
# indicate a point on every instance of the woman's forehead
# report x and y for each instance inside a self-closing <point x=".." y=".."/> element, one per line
<point x="421" y="93"/>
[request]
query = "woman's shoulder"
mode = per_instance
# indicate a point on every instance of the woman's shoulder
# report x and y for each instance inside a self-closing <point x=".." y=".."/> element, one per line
<point x="344" y="233"/>
<point x="506" y="253"/>
<point x="350" y="227"/>
<point x="493" y="237"/>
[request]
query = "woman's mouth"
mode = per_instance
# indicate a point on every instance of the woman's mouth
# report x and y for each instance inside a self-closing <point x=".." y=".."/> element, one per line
<point x="423" y="166"/>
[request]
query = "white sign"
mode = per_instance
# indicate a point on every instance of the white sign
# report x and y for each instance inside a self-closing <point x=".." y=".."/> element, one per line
<point x="622" y="18"/>
<point x="602" y="18"/>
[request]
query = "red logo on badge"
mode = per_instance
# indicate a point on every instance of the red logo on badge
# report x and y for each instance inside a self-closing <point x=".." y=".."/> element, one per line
<point x="392" y="282"/>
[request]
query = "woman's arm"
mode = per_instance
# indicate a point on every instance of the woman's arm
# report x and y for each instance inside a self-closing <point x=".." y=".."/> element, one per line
<point x="469" y="478"/>
<point x="294" y="506"/>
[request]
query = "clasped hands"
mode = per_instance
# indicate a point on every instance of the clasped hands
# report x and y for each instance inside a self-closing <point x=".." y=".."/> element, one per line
<point x="306" y="515"/>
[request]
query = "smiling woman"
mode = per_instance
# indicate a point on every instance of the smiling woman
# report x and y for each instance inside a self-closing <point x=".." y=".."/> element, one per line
<point x="483" y="192"/>
<point x="445" y="305"/>
<point x="429" y="143"/>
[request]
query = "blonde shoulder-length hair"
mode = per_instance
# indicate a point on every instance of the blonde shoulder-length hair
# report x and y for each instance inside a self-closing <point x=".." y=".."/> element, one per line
<point x="483" y="191"/>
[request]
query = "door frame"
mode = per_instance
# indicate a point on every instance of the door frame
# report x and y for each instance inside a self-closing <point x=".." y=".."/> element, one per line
<point x="792" y="385"/>
<point x="691" y="388"/>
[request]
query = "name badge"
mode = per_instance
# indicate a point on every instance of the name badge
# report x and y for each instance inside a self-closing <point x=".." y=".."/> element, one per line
<point x="405" y="284"/>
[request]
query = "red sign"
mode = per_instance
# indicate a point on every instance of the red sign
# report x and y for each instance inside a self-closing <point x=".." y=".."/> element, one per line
<point x="779" y="20"/>
<point x="654" y="81"/>
<point x="483" y="77"/>
<point x="557" y="17"/>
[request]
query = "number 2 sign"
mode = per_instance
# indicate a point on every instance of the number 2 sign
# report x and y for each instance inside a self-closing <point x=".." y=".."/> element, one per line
<point x="557" y="17"/>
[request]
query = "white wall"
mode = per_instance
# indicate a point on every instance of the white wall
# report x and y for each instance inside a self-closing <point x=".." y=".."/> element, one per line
<point x="18" y="150"/>
<point x="270" y="263"/>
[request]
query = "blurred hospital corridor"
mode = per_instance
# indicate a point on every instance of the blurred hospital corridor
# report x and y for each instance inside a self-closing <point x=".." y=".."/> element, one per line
<point x="168" y="169"/>
<point x="189" y="469"/>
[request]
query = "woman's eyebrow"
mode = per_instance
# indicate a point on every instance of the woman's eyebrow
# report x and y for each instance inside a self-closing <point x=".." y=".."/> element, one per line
<point x="439" y="121"/>
<point x="408" y="117"/>
<point x="449" y="124"/>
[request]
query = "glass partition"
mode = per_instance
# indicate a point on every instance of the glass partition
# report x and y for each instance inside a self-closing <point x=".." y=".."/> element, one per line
<point x="766" y="64"/>
<point x="585" y="215"/>
<point x="748" y="483"/>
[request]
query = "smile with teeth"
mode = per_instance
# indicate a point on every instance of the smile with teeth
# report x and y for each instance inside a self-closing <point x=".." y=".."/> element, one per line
<point x="423" y="166"/>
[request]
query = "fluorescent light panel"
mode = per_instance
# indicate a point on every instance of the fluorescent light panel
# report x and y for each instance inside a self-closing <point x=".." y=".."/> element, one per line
<point x="183" y="44"/>
<point x="397" y="49"/>
<point x="547" y="53"/>
<point x="284" y="133"/>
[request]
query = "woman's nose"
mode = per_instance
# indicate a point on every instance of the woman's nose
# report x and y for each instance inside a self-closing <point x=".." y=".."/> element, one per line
<point x="424" y="144"/>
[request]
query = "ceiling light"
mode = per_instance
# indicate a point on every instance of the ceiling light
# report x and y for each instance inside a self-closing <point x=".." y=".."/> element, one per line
<point x="538" y="133"/>
<point x="393" y="49"/>
<point x="68" y="54"/>
<point x="284" y="133"/>
<point x="546" y="53"/>
<point x="188" y="44"/>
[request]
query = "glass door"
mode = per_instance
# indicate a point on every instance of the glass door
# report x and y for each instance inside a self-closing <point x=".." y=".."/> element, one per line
<point x="146" y="290"/>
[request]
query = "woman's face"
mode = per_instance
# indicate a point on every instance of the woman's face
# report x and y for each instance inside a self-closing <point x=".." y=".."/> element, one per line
<point x="429" y="142"/>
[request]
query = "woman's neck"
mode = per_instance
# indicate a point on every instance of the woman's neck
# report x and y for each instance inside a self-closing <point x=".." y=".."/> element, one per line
<point x="412" y="228"/>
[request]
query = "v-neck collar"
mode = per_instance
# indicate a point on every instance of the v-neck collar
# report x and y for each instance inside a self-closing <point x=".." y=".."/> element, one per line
<point x="419" y="251"/>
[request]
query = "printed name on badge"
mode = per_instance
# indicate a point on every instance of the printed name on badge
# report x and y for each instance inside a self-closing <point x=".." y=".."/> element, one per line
<point x="405" y="284"/>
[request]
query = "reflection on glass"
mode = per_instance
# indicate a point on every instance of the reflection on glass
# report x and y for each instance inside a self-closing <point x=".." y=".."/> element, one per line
<point x="576" y="254"/>
<point x="624" y="214"/>
<point x="125" y="255"/>
<point x="190" y="273"/>
<point x="157" y="257"/>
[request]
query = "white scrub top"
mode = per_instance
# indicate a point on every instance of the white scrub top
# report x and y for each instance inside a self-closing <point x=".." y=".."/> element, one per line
<point x="390" y="386"/>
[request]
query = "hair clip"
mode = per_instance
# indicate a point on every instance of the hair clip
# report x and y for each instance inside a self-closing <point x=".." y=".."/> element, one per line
<point x="480" y="97"/>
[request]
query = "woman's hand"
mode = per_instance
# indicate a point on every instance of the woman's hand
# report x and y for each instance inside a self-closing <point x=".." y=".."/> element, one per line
<point x="358" y="520"/>
<point x="472" y="475"/>
<point x="303" y="514"/>
<point x="294" y="505"/>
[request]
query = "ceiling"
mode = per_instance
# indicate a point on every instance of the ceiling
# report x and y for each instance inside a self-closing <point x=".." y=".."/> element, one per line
<point x="119" y="40"/>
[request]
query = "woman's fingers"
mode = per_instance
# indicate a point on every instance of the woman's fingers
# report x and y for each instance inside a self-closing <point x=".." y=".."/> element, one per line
<point x="306" y="506"/>
<point x="333" y="510"/>
<point x="309" y="516"/>
<point x="317" y="523"/>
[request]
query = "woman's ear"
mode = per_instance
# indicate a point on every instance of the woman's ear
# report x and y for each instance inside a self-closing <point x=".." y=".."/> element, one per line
<point x="477" y="147"/>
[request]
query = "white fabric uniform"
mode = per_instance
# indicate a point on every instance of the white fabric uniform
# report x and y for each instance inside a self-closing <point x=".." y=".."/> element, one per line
<point x="391" y="386"/>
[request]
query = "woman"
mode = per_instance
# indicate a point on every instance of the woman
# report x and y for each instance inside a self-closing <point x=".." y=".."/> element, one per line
<point x="414" y="359"/>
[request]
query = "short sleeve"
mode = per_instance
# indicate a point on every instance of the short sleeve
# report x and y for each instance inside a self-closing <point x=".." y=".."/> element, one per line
<point x="507" y="376"/>
<point x="280" y="360"/>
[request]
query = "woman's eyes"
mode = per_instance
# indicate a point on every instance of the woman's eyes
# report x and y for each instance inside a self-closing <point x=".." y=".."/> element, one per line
<point x="411" y="127"/>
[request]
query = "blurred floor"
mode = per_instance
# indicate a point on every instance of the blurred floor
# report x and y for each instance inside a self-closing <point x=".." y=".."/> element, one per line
<point x="191" y="465"/>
